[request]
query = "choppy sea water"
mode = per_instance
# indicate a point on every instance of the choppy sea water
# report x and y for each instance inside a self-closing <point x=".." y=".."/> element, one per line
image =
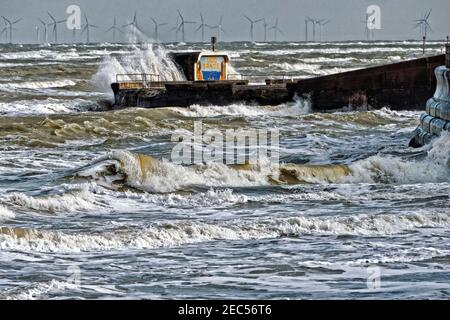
<point x="89" y="208"/>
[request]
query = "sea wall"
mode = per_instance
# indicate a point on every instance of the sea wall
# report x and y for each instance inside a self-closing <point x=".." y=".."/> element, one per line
<point x="404" y="85"/>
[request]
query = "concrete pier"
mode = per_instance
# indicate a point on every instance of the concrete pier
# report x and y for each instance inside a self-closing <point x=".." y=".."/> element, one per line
<point x="401" y="86"/>
<point x="437" y="115"/>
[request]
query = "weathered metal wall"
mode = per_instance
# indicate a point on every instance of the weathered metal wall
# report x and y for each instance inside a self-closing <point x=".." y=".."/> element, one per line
<point x="403" y="85"/>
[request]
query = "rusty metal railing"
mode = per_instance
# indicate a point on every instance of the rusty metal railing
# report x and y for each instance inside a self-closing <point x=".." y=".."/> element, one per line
<point x="262" y="77"/>
<point x="447" y="55"/>
<point x="145" y="78"/>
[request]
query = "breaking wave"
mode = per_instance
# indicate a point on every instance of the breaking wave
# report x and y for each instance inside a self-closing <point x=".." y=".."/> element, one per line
<point x="35" y="291"/>
<point x="6" y="214"/>
<point x="147" y="173"/>
<point x="143" y="59"/>
<point x="72" y="201"/>
<point x="298" y="107"/>
<point x="46" y="106"/>
<point x="314" y="69"/>
<point x="36" y="85"/>
<point x="179" y="233"/>
<point x="388" y="169"/>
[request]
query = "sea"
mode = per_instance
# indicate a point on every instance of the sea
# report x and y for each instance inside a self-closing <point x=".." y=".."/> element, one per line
<point x="93" y="207"/>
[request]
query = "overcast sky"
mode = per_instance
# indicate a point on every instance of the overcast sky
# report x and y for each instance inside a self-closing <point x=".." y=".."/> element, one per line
<point x="345" y="17"/>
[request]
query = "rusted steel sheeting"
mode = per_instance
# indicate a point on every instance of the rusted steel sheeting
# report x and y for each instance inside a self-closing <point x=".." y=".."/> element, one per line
<point x="402" y="86"/>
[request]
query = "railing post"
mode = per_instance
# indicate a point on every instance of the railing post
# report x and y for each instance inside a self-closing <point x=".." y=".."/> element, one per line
<point x="447" y="55"/>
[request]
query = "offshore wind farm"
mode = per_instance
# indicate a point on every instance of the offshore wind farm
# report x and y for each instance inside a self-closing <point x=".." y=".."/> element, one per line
<point x="197" y="30"/>
<point x="93" y="109"/>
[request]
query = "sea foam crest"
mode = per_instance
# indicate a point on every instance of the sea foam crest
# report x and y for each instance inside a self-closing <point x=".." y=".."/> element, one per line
<point x="6" y="214"/>
<point x="147" y="58"/>
<point x="186" y="232"/>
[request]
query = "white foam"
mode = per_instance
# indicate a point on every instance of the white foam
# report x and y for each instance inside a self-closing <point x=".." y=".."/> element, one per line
<point x="35" y="291"/>
<point x="144" y="59"/>
<point x="413" y="254"/>
<point x="185" y="232"/>
<point x="388" y="169"/>
<point x="213" y="197"/>
<point x="6" y="214"/>
<point x="344" y="51"/>
<point x="328" y="60"/>
<point x="71" y="54"/>
<point x="166" y="176"/>
<point x="146" y="173"/>
<point x="217" y="197"/>
<point x="46" y="106"/>
<point x="315" y="69"/>
<point x="298" y="107"/>
<point x="440" y="150"/>
<point x="12" y="86"/>
<point x="60" y="203"/>
<point x="21" y="64"/>
<point x="149" y="174"/>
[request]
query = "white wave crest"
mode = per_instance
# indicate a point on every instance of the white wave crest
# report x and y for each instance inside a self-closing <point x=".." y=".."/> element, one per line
<point x="388" y="169"/>
<point x="179" y="233"/>
<point x="6" y="214"/>
<point x="314" y="69"/>
<point x="67" y="202"/>
<point x="145" y="59"/>
<point x="149" y="174"/>
<point x="299" y="107"/>
<point x="12" y="86"/>
<point x="35" y="291"/>
<point x="46" y="106"/>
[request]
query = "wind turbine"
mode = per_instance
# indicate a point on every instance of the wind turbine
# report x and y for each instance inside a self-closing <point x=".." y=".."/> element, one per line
<point x="5" y="31"/>
<point x="55" y="24"/>
<point x="10" y="26"/>
<point x="202" y="27"/>
<point x="265" y="25"/>
<point x="252" y="25"/>
<point x="114" y="28"/>
<point x="424" y="24"/>
<point x="45" y="24"/>
<point x="134" y="25"/>
<point x="175" y="29"/>
<point x="74" y="35"/>
<point x="367" y="31"/>
<point x="86" y="27"/>
<point x="321" y="24"/>
<point x="38" y="35"/>
<point x="157" y="25"/>
<point x="276" y="29"/>
<point x="309" y="19"/>
<point x="306" y="29"/>
<point x="218" y="28"/>
<point x="182" y="25"/>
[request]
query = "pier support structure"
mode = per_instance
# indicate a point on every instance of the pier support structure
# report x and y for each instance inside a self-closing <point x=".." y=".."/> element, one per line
<point x="437" y="115"/>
